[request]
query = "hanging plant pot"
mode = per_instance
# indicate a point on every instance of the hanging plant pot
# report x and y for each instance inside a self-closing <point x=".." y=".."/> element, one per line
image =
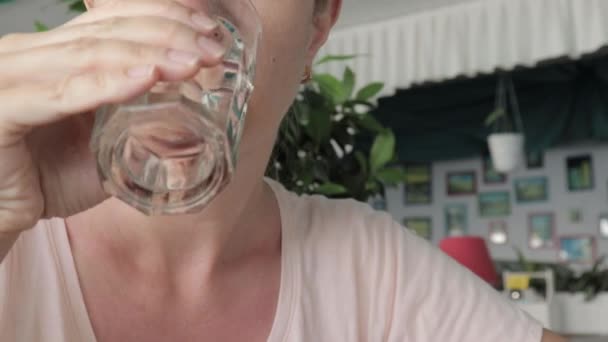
<point x="506" y="150"/>
<point x="506" y="142"/>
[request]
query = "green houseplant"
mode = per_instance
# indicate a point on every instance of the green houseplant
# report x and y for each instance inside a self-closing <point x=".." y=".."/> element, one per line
<point x="330" y="143"/>
<point x="591" y="282"/>
<point x="506" y="142"/>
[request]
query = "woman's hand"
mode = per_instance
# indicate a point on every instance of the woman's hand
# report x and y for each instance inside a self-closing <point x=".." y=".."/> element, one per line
<point x="51" y="81"/>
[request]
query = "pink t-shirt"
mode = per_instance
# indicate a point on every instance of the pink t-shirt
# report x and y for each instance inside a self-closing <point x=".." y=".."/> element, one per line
<point x="348" y="274"/>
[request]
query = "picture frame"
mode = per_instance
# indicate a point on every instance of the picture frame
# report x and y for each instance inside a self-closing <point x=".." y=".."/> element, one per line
<point x="494" y="204"/>
<point x="603" y="226"/>
<point x="497" y="233"/>
<point x="577" y="249"/>
<point x="456" y="219"/>
<point x="541" y="230"/>
<point x="490" y="175"/>
<point x="535" y="160"/>
<point x="531" y="189"/>
<point x="421" y="226"/>
<point x="462" y="183"/>
<point x="418" y="184"/>
<point x="580" y="173"/>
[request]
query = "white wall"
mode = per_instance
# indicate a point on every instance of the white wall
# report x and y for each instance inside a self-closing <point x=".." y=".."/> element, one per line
<point x="561" y="201"/>
<point x="20" y="15"/>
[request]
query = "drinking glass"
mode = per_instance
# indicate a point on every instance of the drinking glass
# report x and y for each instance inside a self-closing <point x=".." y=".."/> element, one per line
<point x="173" y="149"/>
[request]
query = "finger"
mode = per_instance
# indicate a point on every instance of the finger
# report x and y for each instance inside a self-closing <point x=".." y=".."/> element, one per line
<point x="51" y="62"/>
<point x="74" y="94"/>
<point x="154" y="30"/>
<point x="132" y="8"/>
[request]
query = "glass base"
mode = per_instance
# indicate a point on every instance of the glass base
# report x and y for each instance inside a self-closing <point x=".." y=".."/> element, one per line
<point x="162" y="157"/>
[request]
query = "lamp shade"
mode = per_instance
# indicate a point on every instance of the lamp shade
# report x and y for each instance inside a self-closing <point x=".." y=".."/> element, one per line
<point x="472" y="253"/>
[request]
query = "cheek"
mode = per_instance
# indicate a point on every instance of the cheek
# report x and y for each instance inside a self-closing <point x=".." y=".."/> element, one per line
<point x="281" y="58"/>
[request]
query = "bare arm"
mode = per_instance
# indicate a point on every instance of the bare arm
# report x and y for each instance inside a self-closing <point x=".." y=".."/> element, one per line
<point x="548" y="336"/>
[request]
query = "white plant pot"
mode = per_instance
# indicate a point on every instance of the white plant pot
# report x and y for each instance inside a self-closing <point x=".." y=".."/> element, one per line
<point x="506" y="150"/>
<point x="577" y="317"/>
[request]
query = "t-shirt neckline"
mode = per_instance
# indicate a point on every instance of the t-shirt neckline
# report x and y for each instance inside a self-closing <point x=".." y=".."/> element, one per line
<point x="288" y="287"/>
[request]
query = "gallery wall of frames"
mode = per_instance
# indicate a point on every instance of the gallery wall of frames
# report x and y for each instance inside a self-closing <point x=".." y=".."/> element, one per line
<point x="554" y="208"/>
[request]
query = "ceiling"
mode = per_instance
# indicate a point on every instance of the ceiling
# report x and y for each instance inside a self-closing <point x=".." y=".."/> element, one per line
<point x="356" y="12"/>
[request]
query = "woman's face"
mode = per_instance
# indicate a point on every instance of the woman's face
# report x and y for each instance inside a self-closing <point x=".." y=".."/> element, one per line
<point x="292" y="35"/>
<point x="287" y="47"/>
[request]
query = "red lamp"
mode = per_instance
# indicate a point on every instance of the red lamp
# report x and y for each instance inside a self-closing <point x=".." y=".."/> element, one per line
<point x="471" y="252"/>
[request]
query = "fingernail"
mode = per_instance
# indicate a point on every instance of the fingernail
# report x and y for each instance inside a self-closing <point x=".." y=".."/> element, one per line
<point x="211" y="47"/>
<point x="140" y="71"/>
<point x="182" y="57"/>
<point x="202" y="21"/>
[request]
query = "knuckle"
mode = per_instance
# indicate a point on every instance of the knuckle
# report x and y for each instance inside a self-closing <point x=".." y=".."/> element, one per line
<point x="174" y="9"/>
<point x="83" y="44"/>
<point x="100" y="80"/>
<point x="129" y="50"/>
<point x="56" y="92"/>
<point x="112" y="23"/>
<point x="173" y="30"/>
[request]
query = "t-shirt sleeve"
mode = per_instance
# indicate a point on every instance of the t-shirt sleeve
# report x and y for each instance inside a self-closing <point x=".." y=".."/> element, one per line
<point x="437" y="299"/>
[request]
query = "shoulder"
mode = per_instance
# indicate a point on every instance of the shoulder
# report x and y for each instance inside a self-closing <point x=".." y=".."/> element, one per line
<point x="31" y="263"/>
<point x="363" y="263"/>
<point x="30" y="247"/>
<point x="339" y="224"/>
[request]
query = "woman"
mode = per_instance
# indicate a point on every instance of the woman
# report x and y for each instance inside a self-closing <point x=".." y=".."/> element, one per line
<point x="259" y="264"/>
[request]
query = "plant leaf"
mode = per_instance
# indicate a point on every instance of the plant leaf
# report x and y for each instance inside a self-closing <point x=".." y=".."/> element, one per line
<point x="334" y="58"/>
<point x="331" y="189"/>
<point x="331" y="87"/>
<point x="495" y="115"/>
<point x="369" y="91"/>
<point x="371" y="186"/>
<point x="319" y="126"/>
<point x="391" y="176"/>
<point x="348" y="82"/>
<point x="370" y="123"/>
<point x="40" y="27"/>
<point x="78" y="6"/>
<point x="362" y="162"/>
<point x="383" y="151"/>
<point x="526" y="265"/>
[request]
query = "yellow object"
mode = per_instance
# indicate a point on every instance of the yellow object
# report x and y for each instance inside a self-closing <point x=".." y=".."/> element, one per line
<point x="518" y="282"/>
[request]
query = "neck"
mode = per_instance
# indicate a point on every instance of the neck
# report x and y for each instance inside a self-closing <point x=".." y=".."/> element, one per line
<point x="242" y="221"/>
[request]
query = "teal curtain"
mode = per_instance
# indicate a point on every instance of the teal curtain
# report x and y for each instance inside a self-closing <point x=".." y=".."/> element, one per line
<point x="561" y="102"/>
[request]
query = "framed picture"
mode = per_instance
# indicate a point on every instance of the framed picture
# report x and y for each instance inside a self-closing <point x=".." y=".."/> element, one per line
<point x="576" y="216"/>
<point x="580" y="173"/>
<point x="461" y="183"/>
<point x="535" y="160"/>
<point x="456" y="220"/>
<point x="490" y="175"/>
<point x="603" y="226"/>
<point x="422" y="226"/>
<point x="418" y="184"/>
<point x="493" y="204"/>
<point x="541" y="230"/>
<point x="530" y="190"/>
<point x="498" y="233"/>
<point x="580" y="249"/>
